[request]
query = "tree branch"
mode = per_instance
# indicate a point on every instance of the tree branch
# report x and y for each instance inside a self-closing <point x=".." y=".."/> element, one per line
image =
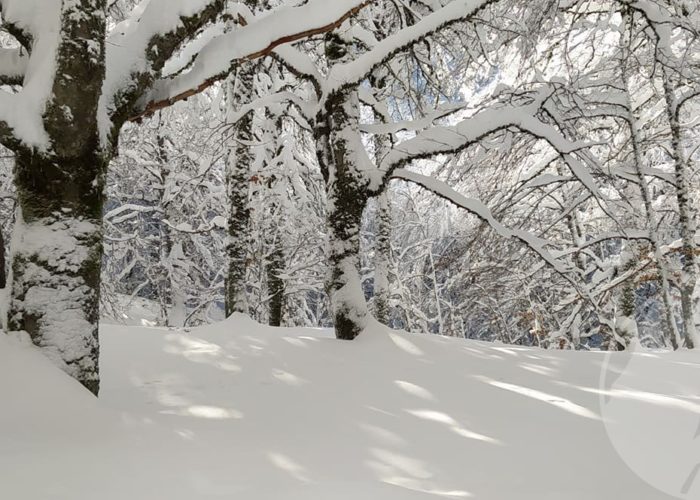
<point x="257" y="39"/>
<point x="151" y="36"/>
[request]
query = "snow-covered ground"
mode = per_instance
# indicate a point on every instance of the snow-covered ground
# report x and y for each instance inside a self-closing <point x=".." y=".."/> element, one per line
<point x="241" y="411"/>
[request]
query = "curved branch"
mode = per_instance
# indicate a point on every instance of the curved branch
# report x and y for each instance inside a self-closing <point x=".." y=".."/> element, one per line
<point x="257" y="39"/>
<point x="452" y="139"/>
<point x="477" y="208"/>
<point x="350" y="74"/>
<point x="150" y="35"/>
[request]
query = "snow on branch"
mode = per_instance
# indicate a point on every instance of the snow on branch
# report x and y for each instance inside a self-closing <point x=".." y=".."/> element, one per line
<point x="21" y="112"/>
<point x="349" y="74"/>
<point x="444" y="191"/>
<point x="297" y="62"/>
<point x="304" y="106"/>
<point x="454" y="138"/>
<point x="19" y="18"/>
<point x="139" y="47"/>
<point x="412" y="125"/>
<point x="480" y="210"/>
<point x="257" y="39"/>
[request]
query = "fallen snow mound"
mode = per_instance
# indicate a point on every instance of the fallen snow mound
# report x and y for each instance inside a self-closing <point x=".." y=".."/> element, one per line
<point x="241" y="411"/>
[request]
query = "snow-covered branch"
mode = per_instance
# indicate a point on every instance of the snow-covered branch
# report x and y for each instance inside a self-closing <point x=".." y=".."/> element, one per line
<point x="304" y="106"/>
<point x="139" y="47"/>
<point x="477" y="208"/>
<point x="452" y="139"/>
<point x="444" y="191"/>
<point x="257" y="39"/>
<point x="351" y="73"/>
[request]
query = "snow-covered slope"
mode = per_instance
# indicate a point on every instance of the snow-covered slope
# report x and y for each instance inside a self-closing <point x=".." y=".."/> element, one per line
<point x="237" y="410"/>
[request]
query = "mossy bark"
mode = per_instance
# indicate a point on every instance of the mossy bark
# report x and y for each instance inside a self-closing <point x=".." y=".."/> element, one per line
<point x="347" y="198"/>
<point x="347" y="193"/>
<point x="3" y="262"/>
<point x="162" y="271"/>
<point x="56" y="260"/>
<point x="57" y="245"/>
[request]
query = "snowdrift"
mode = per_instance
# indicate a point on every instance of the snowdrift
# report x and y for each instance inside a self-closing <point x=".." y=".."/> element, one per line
<point x="239" y="410"/>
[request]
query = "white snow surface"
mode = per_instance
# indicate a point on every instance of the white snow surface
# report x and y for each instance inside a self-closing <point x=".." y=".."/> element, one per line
<point x="239" y="410"/>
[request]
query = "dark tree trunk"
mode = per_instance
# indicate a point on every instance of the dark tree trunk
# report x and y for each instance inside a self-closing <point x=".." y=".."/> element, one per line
<point x="163" y="271"/>
<point x="240" y="159"/>
<point x="347" y="298"/>
<point x="347" y="196"/>
<point x="57" y="248"/>
<point x="381" y="259"/>
<point x="3" y="270"/>
<point x="339" y="148"/>
<point x="57" y="255"/>
<point x="275" y="285"/>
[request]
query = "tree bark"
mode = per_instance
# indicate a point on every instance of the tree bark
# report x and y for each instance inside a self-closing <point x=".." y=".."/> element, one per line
<point x="382" y="250"/>
<point x="164" y="279"/>
<point x="57" y="245"/>
<point x="345" y="216"/>
<point x="56" y="260"/>
<point x="339" y="147"/>
<point x="3" y="262"/>
<point x="275" y="284"/>
<point x="240" y="159"/>
<point x="672" y="334"/>
<point x="382" y="256"/>
<point x="685" y="216"/>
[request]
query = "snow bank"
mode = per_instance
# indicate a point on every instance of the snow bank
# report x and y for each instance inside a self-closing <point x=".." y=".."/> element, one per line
<point x="238" y="410"/>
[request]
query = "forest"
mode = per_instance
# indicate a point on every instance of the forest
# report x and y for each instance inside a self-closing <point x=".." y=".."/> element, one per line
<point x="194" y="192"/>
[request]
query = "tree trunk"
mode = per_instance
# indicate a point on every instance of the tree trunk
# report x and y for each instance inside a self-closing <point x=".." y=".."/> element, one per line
<point x="56" y="260"/>
<point x="164" y="278"/>
<point x="672" y="335"/>
<point x="345" y="216"/>
<point x="685" y="216"/>
<point x="347" y="198"/>
<point x="382" y="256"/>
<point x="240" y="159"/>
<point x="626" y="329"/>
<point x="57" y="244"/>
<point x="339" y="148"/>
<point x="275" y="284"/>
<point x="3" y="272"/>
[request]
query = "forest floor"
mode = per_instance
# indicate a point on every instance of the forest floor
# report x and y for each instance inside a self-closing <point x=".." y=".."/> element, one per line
<point x="237" y="410"/>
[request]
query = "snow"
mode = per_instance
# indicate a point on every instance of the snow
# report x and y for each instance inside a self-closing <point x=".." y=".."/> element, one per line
<point x="477" y="208"/>
<point x="56" y="242"/>
<point x="13" y="62"/>
<point x="441" y="189"/>
<point x="51" y="289"/>
<point x="239" y="410"/>
<point x="127" y="44"/>
<point x="22" y="111"/>
<point x="446" y="139"/>
<point x="342" y="75"/>
<point x="266" y="30"/>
